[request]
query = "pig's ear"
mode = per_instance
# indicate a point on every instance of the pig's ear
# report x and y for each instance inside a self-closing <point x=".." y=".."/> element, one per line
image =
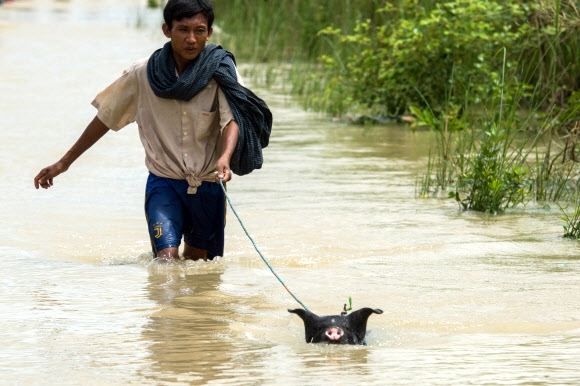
<point x="358" y="321"/>
<point x="310" y="322"/>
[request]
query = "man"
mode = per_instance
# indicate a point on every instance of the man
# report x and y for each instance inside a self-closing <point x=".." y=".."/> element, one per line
<point x="197" y="123"/>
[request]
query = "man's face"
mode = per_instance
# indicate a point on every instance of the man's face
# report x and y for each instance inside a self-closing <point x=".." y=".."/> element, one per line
<point x="188" y="38"/>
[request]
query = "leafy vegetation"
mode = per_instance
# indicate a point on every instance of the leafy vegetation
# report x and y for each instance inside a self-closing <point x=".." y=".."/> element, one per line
<point x="450" y="46"/>
<point x="154" y="3"/>
<point x="484" y="170"/>
<point x="372" y="56"/>
<point x="496" y="82"/>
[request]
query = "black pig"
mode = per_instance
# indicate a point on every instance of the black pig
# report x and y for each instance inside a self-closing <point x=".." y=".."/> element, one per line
<point x="337" y="329"/>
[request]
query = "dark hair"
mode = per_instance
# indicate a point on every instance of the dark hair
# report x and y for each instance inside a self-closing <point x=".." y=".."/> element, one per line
<point x="179" y="9"/>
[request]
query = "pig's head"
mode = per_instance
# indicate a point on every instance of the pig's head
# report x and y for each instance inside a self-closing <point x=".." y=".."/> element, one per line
<point x="337" y="329"/>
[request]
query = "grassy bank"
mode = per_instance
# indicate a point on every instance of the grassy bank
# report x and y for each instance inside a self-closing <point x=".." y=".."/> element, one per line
<point x="383" y="57"/>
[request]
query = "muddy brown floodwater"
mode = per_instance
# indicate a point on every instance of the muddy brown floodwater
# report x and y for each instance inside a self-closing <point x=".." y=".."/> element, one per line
<point x="468" y="299"/>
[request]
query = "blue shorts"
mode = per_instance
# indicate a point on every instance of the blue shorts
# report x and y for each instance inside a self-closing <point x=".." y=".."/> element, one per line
<point x="172" y="214"/>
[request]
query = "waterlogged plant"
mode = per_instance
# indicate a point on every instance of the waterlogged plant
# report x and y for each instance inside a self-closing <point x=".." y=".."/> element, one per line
<point x="444" y="126"/>
<point x="496" y="178"/>
<point x="571" y="221"/>
<point x="559" y="160"/>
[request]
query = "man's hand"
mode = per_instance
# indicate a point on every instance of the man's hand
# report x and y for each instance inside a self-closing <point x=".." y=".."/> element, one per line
<point x="94" y="131"/>
<point x="229" y="139"/>
<point x="223" y="170"/>
<point x="46" y="175"/>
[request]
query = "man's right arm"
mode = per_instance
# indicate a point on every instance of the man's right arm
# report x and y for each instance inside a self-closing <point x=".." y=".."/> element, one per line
<point x="94" y="131"/>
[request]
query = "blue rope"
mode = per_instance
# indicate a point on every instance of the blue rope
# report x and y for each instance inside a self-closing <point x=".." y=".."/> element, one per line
<point x="257" y="250"/>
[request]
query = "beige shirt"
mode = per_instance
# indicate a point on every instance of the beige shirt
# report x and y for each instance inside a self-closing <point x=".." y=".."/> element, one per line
<point x="182" y="139"/>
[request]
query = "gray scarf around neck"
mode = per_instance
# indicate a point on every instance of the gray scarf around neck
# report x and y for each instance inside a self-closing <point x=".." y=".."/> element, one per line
<point x="251" y="113"/>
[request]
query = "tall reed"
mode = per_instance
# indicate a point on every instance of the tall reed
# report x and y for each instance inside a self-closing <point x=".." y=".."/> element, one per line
<point x="273" y="31"/>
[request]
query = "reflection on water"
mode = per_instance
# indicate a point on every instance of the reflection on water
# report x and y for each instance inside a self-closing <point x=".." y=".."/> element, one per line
<point x="203" y="334"/>
<point x="186" y="334"/>
<point x="468" y="298"/>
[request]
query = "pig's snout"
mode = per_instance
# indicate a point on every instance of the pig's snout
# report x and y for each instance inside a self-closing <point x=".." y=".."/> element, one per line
<point x="334" y="333"/>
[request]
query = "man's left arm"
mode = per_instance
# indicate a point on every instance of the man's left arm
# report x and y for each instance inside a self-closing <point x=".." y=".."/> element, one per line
<point x="229" y="140"/>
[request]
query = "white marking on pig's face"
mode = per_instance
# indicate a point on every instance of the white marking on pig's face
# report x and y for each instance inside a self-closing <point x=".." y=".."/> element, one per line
<point x="332" y="320"/>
